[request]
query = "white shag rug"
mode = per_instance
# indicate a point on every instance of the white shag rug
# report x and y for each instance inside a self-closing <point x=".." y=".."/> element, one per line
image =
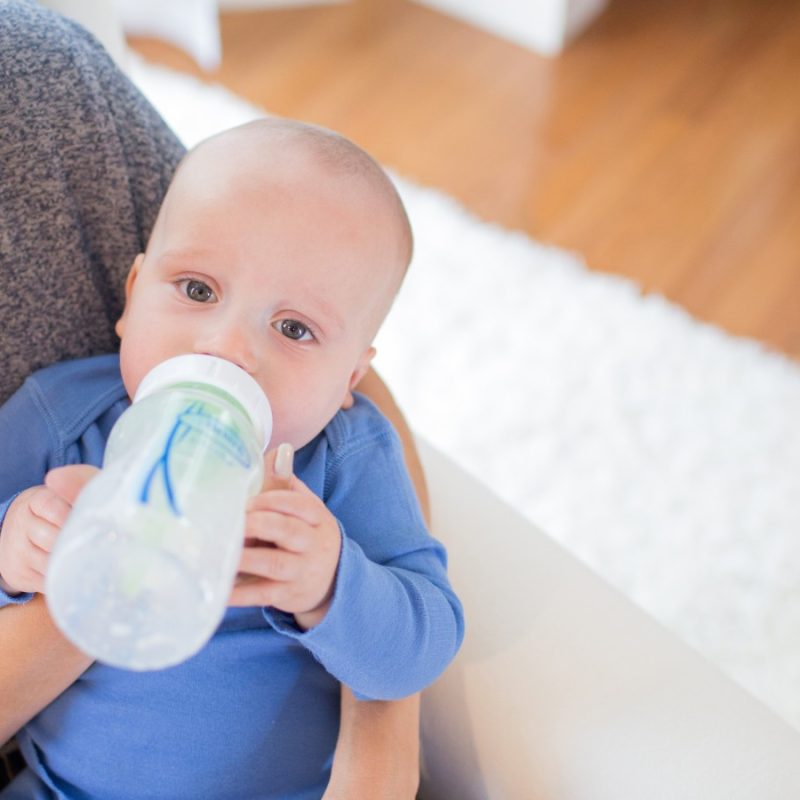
<point x="661" y="451"/>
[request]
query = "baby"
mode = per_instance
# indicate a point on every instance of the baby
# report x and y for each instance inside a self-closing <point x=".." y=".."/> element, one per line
<point x="280" y="247"/>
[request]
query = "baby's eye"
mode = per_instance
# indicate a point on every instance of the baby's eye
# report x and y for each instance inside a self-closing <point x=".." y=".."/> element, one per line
<point x="198" y="291"/>
<point x="293" y="329"/>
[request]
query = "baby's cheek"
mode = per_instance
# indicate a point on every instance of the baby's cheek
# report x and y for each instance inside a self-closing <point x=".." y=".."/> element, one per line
<point x="296" y="431"/>
<point x="300" y="414"/>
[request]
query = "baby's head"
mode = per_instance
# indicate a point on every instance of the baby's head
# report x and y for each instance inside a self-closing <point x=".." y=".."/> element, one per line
<point x="280" y="247"/>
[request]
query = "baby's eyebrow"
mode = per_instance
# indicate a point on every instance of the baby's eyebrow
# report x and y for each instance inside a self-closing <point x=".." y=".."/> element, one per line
<point x="320" y="308"/>
<point x="324" y="309"/>
<point x="181" y="257"/>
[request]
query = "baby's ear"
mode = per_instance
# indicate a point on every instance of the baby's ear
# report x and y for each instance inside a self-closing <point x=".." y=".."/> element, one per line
<point x="358" y="373"/>
<point x="119" y="327"/>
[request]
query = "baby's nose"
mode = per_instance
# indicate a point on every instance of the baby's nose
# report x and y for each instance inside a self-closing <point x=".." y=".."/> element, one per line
<point x="231" y="342"/>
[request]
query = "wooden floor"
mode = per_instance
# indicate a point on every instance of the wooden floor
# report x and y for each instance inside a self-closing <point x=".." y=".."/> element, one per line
<point x="663" y="145"/>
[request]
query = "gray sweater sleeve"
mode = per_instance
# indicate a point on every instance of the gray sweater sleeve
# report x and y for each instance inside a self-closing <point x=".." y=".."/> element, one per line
<point x="84" y="163"/>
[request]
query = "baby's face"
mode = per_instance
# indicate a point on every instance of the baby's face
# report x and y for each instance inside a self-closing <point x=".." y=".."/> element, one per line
<point x="289" y="281"/>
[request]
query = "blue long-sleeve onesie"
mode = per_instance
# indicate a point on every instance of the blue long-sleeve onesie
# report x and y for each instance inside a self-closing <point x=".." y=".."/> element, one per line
<point x="255" y="713"/>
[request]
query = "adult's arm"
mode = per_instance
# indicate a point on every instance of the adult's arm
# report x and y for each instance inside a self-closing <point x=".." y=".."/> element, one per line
<point x="36" y="664"/>
<point x="373" y="387"/>
<point x="377" y="752"/>
<point x="84" y="163"/>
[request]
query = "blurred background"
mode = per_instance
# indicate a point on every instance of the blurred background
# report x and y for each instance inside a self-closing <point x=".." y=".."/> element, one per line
<point x="662" y="142"/>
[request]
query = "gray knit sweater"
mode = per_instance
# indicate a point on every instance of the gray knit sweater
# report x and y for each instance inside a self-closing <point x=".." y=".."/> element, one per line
<point x="84" y="163"/>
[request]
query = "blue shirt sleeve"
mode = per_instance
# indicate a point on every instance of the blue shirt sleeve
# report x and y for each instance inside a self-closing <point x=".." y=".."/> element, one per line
<point x="26" y="441"/>
<point x="394" y="623"/>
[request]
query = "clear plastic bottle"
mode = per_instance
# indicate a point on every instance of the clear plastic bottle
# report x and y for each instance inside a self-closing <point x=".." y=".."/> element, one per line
<point x="143" y="568"/>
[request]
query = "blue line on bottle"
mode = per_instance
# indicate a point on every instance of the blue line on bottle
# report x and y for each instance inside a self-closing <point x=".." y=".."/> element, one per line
<point x="162" y="466"/>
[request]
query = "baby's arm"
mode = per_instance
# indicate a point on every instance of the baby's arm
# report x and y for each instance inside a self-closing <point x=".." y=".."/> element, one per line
<point x="367" y="588"/>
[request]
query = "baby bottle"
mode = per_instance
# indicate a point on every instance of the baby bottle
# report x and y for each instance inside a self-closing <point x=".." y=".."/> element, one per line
<point x="142" y="570"/>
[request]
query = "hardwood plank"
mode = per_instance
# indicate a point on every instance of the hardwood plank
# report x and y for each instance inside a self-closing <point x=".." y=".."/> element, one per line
<point x="664" y="144"/>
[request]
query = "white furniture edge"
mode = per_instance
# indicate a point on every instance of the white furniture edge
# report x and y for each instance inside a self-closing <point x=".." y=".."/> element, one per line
<point x="100" y="17"/>
<point x="545" y="26"/>
<point x="565" y="690"/>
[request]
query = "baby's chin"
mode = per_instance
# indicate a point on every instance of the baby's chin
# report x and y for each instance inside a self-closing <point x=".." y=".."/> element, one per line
<point x="298" y="436"/>
<point x="297" y="442"/>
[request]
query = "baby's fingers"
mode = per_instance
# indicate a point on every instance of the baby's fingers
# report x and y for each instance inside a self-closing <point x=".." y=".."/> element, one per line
<point x="36" y="562"/>
<point x="43" y="535"/>
<point x="303" y="505"/>
<point x="47" y="506"/>
<point x="270" y="562"/>
<point x="253" y="591"/>
<point x="68" y="482"/>
<point x="24" y="563"/>
<point x="283" y="531"/>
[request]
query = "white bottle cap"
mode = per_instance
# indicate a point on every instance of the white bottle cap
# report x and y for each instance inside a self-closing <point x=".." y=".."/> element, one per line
<point x="217" y="372"/>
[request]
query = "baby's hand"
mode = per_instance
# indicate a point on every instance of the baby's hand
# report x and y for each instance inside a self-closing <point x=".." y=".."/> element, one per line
<point x="292" y="547"/>
<point x="31" y="525"/>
